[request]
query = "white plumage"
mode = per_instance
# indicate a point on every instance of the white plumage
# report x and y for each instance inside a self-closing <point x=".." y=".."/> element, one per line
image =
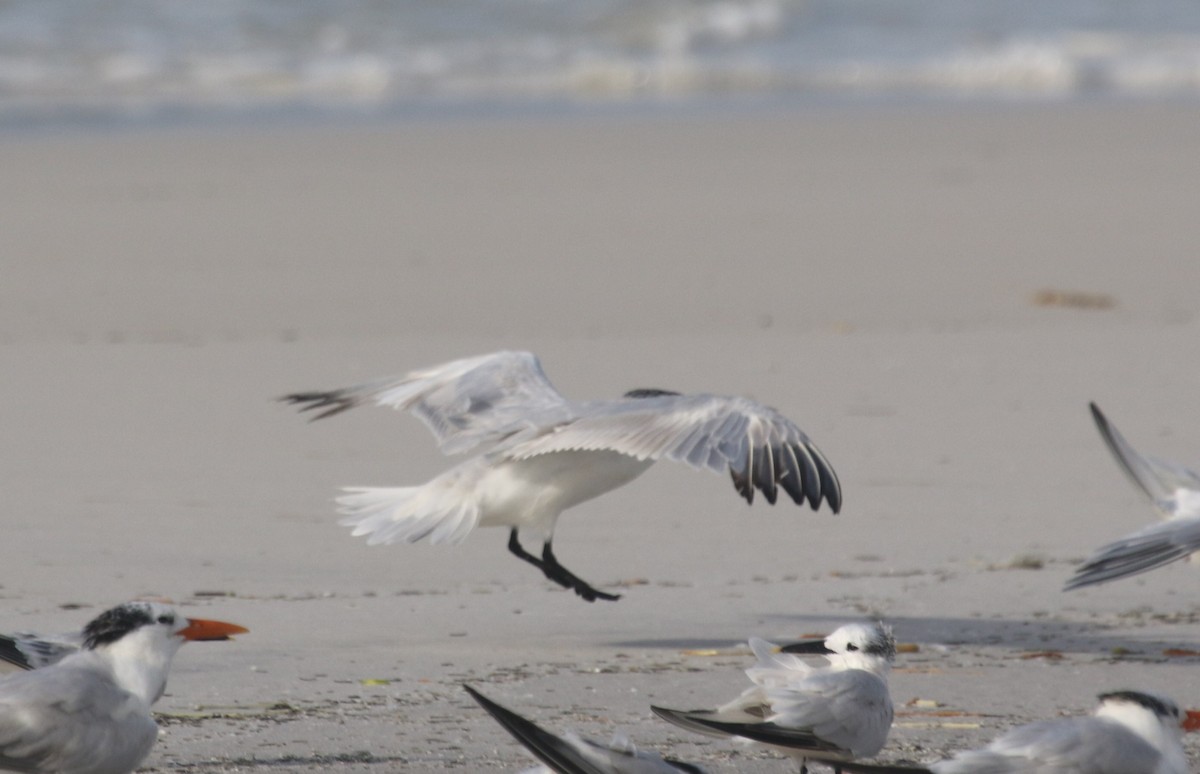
<point x="538" y="454"/>
<point x="834" y="711"/>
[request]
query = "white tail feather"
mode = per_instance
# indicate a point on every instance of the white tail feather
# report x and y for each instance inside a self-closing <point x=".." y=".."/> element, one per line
<point x="408" y="514"/>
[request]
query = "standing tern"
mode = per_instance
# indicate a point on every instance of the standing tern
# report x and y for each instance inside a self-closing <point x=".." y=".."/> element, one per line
<point x="833" y="712"/>
<point x="1129" y="733"/>
<point x="572" y="754"/>
<point x="538" y="453"/>
<point x="89" y="713"/>
<point x="1175" y="493"/>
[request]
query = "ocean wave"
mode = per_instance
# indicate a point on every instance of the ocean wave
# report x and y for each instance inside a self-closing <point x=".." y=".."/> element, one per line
<point x="133" y="54"/>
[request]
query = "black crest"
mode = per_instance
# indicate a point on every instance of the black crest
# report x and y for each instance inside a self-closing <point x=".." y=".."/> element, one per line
<point x="112" y="625"/>
<point x="1152" y="703"/>
<point x="648" y="392"/>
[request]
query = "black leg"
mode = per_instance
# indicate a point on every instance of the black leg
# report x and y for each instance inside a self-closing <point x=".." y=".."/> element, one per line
<point x="550" y="567"/>
<point x="561" y="575"/>
<point x="515" y="546"/>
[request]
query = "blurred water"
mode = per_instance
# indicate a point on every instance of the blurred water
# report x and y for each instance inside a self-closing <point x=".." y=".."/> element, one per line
<point x="136" y="57"/>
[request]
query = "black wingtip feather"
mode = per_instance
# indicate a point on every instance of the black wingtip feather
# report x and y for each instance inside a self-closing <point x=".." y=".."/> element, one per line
<point x="11" y="654"/>
<point x="800" y="470"/>
<point x="831" y="487"/>
<point x="311" y="401"/>
<point x="764" y="474"/>
<point x="741" y="482"/>
<point x="547" y="747"/>
<point x="770" y="733"/>
<point x="792" y="478"/>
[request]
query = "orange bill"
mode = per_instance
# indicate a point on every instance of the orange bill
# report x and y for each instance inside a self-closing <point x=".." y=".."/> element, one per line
<point x="201" y="630"/>
<point x="1191" y="721"/>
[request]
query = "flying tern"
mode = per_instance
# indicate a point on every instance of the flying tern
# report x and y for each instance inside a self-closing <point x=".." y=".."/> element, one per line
<point x="572" y="754"/>
<point x="538" y="453"/>
<point x="89" y="713"/>
<point x="833" y="712"/>
<point x="1130" y="732"/>
<point x="1175" y="493"/>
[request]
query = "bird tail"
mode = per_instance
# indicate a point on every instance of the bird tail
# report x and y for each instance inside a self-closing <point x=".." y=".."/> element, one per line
<point x="438" y="510"/>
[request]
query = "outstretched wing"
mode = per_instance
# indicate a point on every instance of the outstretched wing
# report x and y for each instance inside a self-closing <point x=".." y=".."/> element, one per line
<point x="467" y="403"/>
<point x="1160" y="480"/>
<point x="1143" y="550"/>
<point x="761" y="448"/>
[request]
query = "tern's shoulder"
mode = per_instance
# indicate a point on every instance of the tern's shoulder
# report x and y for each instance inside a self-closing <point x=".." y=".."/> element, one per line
<point x="81" y="682"/>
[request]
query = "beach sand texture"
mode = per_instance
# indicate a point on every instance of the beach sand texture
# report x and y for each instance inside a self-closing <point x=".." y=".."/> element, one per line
<point x="933" y="293"/>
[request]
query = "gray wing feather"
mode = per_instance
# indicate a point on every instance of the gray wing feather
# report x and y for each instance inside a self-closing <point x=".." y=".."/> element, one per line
<point x="1159" y="479"/>
<point x="469" y="403"/>
<point x="1140" y="551"/>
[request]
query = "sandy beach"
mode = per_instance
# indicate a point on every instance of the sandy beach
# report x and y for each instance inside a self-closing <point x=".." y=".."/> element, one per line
<point x="933" y="293"/>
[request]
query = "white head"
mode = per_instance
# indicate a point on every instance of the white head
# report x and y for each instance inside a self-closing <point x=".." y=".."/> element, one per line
<point x="861" y="645"/>
<point x="1155" y="718"/>
<point x="139" y="639"/>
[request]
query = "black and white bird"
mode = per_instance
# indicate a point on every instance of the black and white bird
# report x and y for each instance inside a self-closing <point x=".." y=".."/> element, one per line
<point x="1175" y="494"/>
<point x="537" y="453"/>
<point x="1129" y="733"/>
<point x="832" y="712"/>
<point x="573" y="754"/>
<point x="89" y="712"/>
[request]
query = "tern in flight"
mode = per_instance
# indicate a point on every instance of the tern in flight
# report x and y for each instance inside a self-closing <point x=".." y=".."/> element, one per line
<point x="834" y="712"/>
<point x="1130" y="732"/>
<point x="89" y="712"/>
<point x="1175" y="493"/>
<point x="572" y="754"/>
<point x="537" y="453"/>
